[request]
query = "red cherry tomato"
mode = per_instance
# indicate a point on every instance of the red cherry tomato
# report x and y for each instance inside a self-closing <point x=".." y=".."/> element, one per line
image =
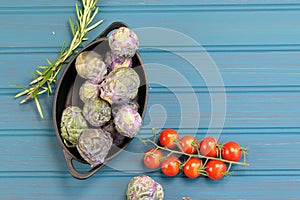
<point x="215" y="169"/>
<point x="189" y="144"/>
<point x="231" y="151"/>
<point x="170" y="166"/>
<point x="152" y="158"/>
<point x="192" y="167"/>
<point x="208" y="147"/>
<point x="168" y="138"/>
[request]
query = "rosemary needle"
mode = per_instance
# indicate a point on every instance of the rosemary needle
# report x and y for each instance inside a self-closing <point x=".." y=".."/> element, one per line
<point x="45" y="76"/>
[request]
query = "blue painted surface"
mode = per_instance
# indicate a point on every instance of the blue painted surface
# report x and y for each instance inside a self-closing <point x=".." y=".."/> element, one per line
<point x="256" y="48"/>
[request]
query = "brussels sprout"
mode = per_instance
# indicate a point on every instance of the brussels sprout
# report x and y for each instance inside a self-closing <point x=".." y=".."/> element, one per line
<point x="72" y="124"/>
<point x="114" y="62"/>
<point x="120" y="86"/>
<point x="118" y="139"/>
<point x="144" y="188"/>
<point x="88" y="91"/>
<point x="89" y="65"/>
<point x="116" y="107"/>
<point x="128" y="121"/>
<point x="97" y="112"/>
<point x="93" y="145"/>
<point x="123" y="43"/>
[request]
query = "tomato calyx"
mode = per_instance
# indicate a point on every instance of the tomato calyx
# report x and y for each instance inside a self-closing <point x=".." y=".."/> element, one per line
<point x="152" y="158"/>
<point x="209" y="147"/>
<point x="226" y="173"/>
<point x="193" y="168"/>
<point x="188" y="144"/>
<point x="168" y="138"/>
<point x="215" y="169"/>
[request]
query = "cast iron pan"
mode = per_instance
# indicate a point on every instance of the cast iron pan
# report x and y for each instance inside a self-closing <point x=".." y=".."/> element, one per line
<point x="67" y="94"/>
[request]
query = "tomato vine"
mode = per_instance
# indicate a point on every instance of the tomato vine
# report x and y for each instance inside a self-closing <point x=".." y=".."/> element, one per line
<point x="213" y="166"/>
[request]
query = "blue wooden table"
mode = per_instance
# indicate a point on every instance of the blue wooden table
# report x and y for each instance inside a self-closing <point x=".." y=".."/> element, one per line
<point x="249" y="78"/>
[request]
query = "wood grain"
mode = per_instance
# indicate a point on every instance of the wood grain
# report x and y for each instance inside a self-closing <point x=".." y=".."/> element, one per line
<point x="256" y="48"/>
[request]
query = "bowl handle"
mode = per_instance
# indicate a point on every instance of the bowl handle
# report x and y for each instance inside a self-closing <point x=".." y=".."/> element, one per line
<point x="110" y="28"/>
<point x="69" y="160"/>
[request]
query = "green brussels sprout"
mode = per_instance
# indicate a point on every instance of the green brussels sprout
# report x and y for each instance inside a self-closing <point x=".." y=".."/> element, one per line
<point x="97" y="112"/>
<point x="144" y="188"/>
<point x="93" y="145"/>
<point x="89" y="65"/>
<point x="128" y="121"/>
<point x="123" y="43"/>
<point x="88" y="91"/>
<point x="120" y="86"/>
<point x="72" y="124"/>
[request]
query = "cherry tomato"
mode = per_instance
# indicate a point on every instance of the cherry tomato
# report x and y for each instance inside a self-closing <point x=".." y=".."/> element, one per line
<point x="192" y="167"/>
<point x="208" y="147"/>
<point x="170" y="166"/>
<point x="189" y="144"/>
<point x="152" y="158"/>
<point x="231" y="151"/>
<point x="168" y="138"/>
<point x="215" y="169"/>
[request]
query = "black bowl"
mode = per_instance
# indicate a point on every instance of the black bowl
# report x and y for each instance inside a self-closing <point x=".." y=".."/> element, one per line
<point x="67" y="94"/>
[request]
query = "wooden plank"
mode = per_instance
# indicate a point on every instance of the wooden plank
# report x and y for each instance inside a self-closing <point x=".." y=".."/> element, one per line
<point x="217" y="28"/>
<point x="264" y="69"/>
<point x="57" y="3"/>
<point x="182" y="110"/>
<point x="39" y="151"/>
<point x="56" y="186"/>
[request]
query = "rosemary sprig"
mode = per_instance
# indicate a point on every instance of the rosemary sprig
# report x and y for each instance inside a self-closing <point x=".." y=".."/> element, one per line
<point x="45" y="76"/>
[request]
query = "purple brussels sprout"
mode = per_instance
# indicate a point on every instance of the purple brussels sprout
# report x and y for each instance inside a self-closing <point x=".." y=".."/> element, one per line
<point x="123" y="43"/>
<point x="93" y="145"/>
<point x="118" y="139"/>
<point x="116" y="107"/>
<point x="89" y="65"/>
<point x="144" y="188"/>
<point x="113" y="62"/>
<point x="88" y="91"/>
<point x="128" y="121"/>
<point x="97" y="112"/>
<point x="72" y="124"/>
<point x="120" y="86"/>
